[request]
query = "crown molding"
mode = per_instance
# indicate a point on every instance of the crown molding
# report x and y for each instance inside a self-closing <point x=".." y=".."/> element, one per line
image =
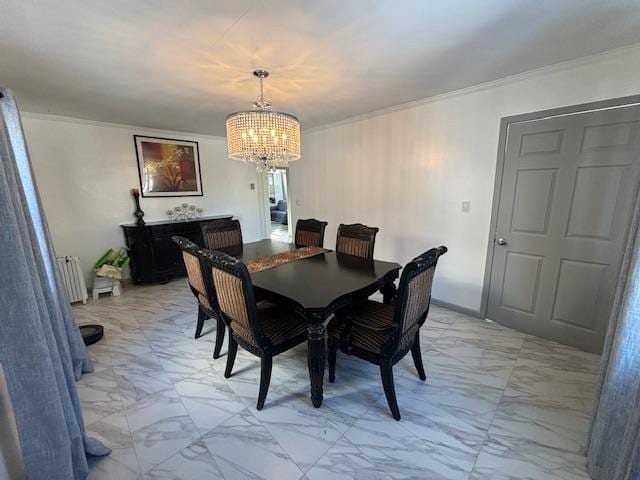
<point x="96" y="123"/>
<point x="518" y="77"/>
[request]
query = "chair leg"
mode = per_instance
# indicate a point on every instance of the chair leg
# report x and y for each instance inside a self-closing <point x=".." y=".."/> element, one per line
<point x="219" y="337"/>
<point x="417" y="357"/>
<point x="333" y="353"/>
<point x="386" y="372"/>
<point x="265" y="379"/>
<point x="201" y="318"/>
<point x="231" y="355"/>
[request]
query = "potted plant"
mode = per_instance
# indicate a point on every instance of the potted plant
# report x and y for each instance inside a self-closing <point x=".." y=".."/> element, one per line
<point x="108" y="270"/>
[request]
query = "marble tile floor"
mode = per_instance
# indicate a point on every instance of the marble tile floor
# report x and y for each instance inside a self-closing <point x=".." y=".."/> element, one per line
<point x="279" y="232"/>
<point x="497" y="404"/>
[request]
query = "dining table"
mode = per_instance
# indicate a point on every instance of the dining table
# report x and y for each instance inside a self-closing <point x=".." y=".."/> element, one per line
<point x="316" y="286"/>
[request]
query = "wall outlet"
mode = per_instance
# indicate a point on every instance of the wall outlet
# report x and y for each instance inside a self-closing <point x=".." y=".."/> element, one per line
<point x="466" y="206"/>
<point x="252" y="186"/>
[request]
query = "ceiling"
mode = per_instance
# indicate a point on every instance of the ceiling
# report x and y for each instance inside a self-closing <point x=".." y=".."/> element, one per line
<point x="184" y="65"/>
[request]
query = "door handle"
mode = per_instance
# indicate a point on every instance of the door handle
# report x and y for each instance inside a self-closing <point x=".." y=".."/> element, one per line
<point x="501" y="241"/>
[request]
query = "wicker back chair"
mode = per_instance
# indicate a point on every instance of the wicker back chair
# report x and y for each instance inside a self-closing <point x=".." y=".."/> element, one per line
<point x="356" y="239"/>
<point x="221" y="233"/>
<point x="264" y="332"/>
<point x="383" y="334"/>
<point x="201" y="285"/>
<point x="310" y="233"/>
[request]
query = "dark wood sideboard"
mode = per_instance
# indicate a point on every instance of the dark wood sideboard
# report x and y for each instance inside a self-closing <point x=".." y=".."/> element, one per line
<point x="154" y="257"/>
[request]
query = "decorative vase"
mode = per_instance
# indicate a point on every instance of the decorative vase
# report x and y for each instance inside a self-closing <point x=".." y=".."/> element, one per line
<point x="138" y="213"/>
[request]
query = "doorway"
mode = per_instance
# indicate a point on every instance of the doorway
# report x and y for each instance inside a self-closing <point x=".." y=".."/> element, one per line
<point x="278" y="201"/>
<point x="565" y="188"/>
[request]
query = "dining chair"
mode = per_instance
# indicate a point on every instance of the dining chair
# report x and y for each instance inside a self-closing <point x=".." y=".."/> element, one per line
<point x="263" y="332"/>
<point x="383" y="334"/>
<point x="356" y="239"/>
<point x="310" y="233"/>
<point x="221" y="233"/>
<point x="202" y="287"/>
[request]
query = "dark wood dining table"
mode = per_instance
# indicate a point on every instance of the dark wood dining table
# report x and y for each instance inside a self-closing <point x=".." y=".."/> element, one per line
<point x="317" y="287"/>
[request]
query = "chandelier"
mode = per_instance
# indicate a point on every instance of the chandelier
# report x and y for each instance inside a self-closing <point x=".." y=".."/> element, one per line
<point x="267" y="138"/>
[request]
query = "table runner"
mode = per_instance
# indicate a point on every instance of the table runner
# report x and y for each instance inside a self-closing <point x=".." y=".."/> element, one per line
<point x="265" y="263"/>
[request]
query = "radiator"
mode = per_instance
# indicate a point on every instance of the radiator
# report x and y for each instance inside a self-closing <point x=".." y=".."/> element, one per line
<point x="72" y="278"/>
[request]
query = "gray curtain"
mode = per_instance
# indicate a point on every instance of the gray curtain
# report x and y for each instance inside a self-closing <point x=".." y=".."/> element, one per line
<point x="614" y="439"/>
<point x="41" y="349"/>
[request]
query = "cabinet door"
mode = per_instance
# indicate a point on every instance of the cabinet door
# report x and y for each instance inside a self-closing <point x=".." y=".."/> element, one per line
<point x="140" y="252"/>
<point x="166" y="255"/>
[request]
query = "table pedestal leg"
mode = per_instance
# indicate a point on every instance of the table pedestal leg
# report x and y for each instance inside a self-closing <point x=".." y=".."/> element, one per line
<point x="389" y="292"/>
<point x="316" y="359"/>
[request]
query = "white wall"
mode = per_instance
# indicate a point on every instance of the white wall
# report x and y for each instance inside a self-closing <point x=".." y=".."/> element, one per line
<point x="407" y="170"/>
<point x="85" y="171"/>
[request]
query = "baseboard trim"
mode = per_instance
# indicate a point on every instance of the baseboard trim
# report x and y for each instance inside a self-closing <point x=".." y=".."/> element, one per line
<point x="458" y="308"/>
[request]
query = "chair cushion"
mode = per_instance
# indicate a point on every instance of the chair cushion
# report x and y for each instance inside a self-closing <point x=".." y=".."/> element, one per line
<point x="280" y="325"/>
<point x="264" y="304"/>
<point x="375" y="314"/>
<point x="261" y="304"/>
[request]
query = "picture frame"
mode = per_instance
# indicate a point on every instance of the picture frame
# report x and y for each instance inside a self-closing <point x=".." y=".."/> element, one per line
<point x="168" y="167"/>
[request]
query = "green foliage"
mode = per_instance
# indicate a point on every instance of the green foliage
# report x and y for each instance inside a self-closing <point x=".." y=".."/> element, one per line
<point x="117" y="258"/>
<point x="103" y="259"/>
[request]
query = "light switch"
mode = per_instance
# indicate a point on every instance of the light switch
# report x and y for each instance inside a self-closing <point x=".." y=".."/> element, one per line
<point x="466" y="206"/>
<point x="297" y="202"/>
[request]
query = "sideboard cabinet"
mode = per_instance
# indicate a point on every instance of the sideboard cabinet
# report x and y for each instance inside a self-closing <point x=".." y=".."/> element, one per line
<point x="154" y="257"/>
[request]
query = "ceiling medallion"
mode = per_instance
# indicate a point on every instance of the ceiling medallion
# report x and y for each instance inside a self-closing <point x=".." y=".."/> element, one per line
<point x="267" y="138"/>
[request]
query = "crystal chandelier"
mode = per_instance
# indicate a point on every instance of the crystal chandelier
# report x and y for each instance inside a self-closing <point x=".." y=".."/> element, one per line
<point x="267" y="138"/>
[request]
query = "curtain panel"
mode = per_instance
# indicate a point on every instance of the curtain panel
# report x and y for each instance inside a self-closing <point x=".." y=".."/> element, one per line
<point x="41" y="348"/>
<point x="613" y="452"/>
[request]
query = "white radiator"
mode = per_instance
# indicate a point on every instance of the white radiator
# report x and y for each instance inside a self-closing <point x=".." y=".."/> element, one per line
<point x="73" y="278"/>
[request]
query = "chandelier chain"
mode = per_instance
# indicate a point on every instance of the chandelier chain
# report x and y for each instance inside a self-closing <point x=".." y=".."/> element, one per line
<point x="261" y="91"/>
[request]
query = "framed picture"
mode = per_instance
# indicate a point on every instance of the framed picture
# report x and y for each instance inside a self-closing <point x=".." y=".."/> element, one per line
<point x="168" y="167"/>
